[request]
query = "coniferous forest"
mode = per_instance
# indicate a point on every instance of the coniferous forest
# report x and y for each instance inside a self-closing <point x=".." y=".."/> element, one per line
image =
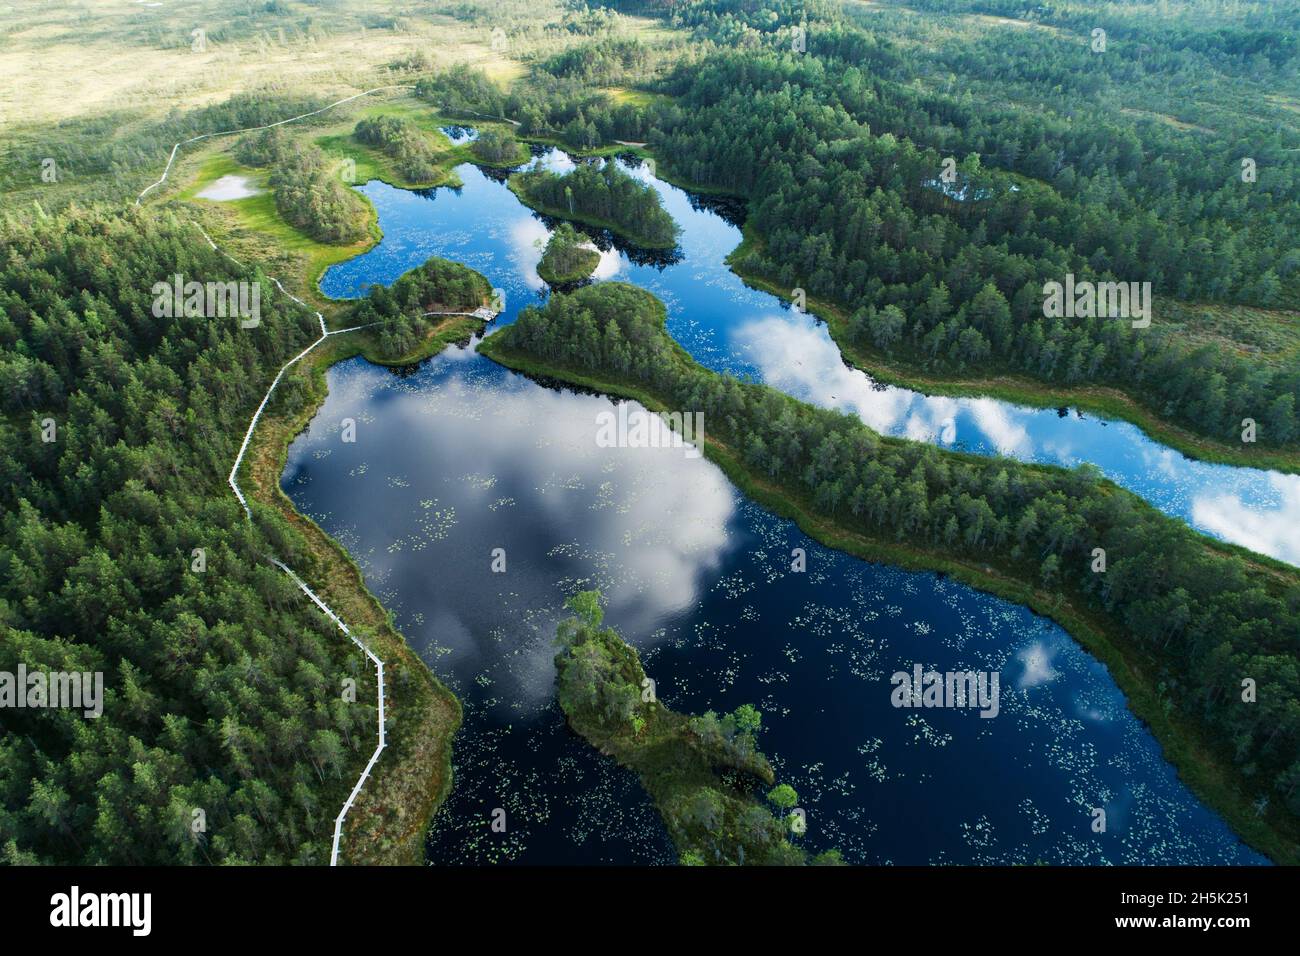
<point x="842" y="156"/>
<point x="124" y="552"/>
<point x="307" y="194"/>
<point x="605" y="196"/>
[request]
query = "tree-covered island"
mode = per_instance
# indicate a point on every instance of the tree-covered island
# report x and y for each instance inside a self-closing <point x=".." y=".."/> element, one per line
<point x="1179" y="618"/>
<point x="569" y="257"/>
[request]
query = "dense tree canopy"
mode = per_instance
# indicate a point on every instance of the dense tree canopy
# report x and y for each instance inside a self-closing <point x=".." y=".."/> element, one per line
<point x="568" y="257"/>
<point x="840" y="148"/>
<point x="308" y="194"/>
<point x="604" y="194"/>
<point x="223" y="685"/>
<point x="497" y="147"/>
<point x="406" y="312"/>
<point x="410" y="148"/>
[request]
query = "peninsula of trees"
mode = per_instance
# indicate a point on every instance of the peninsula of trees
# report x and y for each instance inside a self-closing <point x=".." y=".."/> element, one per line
<point x="307" y="193"/>
<point x="702" y="772"/>
<point x="498" y="148"/>
<point x="411" y="150"/>
<point x="404" y="314"/>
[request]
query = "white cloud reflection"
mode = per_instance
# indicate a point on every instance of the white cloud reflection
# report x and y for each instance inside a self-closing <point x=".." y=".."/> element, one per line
<point x="528" y="239"/>
<point x="796" y="354"/>
<point x="994" y="419"/>
<point x="645" y="525"/>
<point x="1036" y="659"/>
<point x="1274" y="531"/>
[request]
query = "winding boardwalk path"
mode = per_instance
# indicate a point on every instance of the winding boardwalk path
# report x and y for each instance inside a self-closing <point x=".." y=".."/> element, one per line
<point x="253" y="129"/>
<point x="484" y="313"/>
<point x="233" y="480"/>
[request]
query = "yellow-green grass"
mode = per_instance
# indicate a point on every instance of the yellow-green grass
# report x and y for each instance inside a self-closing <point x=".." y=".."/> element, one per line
<point x="1268" y="337"/>
<point x="984" y="20"/>
<point x="125" y="56"/>
<point x="339" y="142"/>
<point x="372" y="163"/>
<point x="255" y="222"/>
<point x="1166" y="119"/>
<point x="1203" y="762"/>
<point x="452" y="330"/>
<point x="1287" y="104"/>
<point x="123" y="68"/>
<point x="623" y="96"/>
<point x="653" y="31"/>
<point x="1105" y="401"/>
<point x="213" y="166"/>
<point x="253" y="230"/>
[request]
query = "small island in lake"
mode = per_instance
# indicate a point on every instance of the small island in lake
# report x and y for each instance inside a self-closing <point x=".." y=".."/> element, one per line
<point x="569" y="257"/>
<point x="498" y="148"/>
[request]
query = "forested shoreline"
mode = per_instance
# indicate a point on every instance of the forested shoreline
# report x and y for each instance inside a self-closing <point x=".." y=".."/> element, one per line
<point x="498" y="148"/>
<point x="125" y="552"/>
<point x="1195" y="618"/>
<point x="841" y="156"/>
<point x="954" y="284"/>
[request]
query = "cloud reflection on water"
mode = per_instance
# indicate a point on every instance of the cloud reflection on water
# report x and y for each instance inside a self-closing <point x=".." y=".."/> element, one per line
<point x="646" y="525"/>
<point x="794" y="353"/>
<point x="1274" y="532"/>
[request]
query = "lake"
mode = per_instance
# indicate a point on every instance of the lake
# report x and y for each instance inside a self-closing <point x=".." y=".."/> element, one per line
<point x="458" y="457"/>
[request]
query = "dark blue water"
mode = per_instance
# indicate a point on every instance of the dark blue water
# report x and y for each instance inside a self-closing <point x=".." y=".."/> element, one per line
<point x="742" y="331"/>
<point x="461" y="457"/>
